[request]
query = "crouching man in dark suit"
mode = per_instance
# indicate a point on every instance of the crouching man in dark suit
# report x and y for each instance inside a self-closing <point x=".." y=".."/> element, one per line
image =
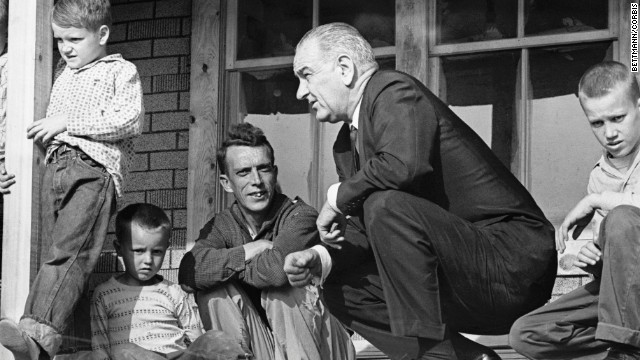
<point x="436" y="236"/>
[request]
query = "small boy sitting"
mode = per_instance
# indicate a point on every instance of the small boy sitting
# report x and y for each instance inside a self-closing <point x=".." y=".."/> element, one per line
<point x="602" y="318"/>
<point x="94" y="112"/>
<point x="139" y="306"/>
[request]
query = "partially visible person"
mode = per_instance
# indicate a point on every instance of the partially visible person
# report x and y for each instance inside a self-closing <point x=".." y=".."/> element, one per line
<point x="435" y="235"/>
<point x="140" y="307"/>
<point x="94" y="112"/>
<point x="602" y="318"/>
<point x="236" y="265"/>
<point x="6" y="179"/>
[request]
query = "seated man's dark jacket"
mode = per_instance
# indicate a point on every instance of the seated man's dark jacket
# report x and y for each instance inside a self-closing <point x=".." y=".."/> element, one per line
<point x="218" y="255"/>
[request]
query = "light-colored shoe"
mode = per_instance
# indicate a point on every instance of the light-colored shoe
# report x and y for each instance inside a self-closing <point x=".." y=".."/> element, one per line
<point x="15" y="340"/>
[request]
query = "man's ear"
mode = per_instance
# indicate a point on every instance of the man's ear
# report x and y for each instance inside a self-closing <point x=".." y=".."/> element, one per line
<point x="347" y="69"/>
<point x="224" y="181"/>
<point x="103" y="32"/>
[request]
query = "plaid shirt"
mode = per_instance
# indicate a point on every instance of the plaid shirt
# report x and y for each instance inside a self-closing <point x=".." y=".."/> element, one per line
<point x="103" y="105"/>
<point x="3" y="103"/>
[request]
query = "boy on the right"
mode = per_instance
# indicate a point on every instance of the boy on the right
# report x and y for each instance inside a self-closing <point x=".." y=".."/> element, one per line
<point x="601" y="319"/>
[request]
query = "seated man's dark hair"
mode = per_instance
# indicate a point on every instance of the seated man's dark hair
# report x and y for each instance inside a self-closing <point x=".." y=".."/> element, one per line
<point x="147" y="216"/>
<point x="602" y="78"/>
<point x="243" y="134"/>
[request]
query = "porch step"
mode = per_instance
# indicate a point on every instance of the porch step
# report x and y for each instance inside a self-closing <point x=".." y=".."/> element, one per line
<point x="364" y="350"/>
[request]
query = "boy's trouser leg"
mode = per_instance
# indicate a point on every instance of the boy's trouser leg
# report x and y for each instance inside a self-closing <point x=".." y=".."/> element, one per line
<point x="78" y="199"/>
<point x="229" y="309"/>
<point x="619" y="305"/>
<point x="302" y="326"/>
<point x="563" y="329"/>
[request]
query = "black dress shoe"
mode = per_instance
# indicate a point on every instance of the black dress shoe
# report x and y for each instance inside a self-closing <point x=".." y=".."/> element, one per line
<point x="618" y="352"/>
<point x="470" y="350"/>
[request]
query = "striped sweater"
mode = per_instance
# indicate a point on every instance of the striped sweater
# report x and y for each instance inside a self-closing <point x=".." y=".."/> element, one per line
<point x="160" y="317"/>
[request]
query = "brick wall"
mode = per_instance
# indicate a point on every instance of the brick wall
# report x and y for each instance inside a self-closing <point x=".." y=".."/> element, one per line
<point x="155" y="36"/>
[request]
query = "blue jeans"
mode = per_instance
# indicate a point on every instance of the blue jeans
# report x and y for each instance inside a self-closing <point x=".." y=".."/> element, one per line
<point x="77" y="200"/>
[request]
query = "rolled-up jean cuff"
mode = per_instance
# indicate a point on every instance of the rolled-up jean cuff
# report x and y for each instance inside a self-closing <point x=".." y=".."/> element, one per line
<point x="43" y="333"/>
<point x="618" y="334"/>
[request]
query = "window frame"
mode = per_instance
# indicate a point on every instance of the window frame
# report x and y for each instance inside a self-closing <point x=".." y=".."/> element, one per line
<point x="521" y="165"/>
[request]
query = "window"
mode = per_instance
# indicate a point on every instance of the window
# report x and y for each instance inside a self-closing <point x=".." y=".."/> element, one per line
<point x="510" y="69"/>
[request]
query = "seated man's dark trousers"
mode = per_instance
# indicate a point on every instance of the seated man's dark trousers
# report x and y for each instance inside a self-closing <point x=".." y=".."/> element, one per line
<point x="583" y="323"/>
<point x="436" y="272"/>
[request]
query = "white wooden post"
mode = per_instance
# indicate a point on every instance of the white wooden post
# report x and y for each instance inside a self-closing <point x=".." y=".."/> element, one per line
<point x="29" y="83"/>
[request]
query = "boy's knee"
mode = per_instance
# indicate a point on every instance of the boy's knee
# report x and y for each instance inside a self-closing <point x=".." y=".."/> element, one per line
<point x="623" y="215"/>
<point x="520" y="337"/>
<point x="621" y="225"/>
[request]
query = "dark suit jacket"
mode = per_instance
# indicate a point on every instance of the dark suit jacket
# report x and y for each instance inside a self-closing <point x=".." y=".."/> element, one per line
<point x="409" y="140"/>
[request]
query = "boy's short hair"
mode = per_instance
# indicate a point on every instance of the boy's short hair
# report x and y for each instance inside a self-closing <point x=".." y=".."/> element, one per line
<point x="147" y="216"/>
<point x="87" y="14"/>
<point x="243" y="134"/>
<point x="600" y="79"/>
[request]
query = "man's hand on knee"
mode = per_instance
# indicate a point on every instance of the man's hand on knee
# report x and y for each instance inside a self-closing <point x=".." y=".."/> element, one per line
<point x="302" y="266"/>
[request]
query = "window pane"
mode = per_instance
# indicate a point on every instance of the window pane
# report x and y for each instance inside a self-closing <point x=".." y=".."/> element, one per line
<point x="269" y="28"/>
<point x="272" y="92"/>
<point x="481" y="90"/>
<point x="545" y="17"/>
<point x="375" y="19"/>
<point x="563" y="150"/>
<point x="268" y="101"/>
<point x="461" y="21"/>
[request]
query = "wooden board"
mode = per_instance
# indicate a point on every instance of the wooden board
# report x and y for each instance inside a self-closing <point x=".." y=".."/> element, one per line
<point x="411" y="38"/>
<point x="29" y="83"/>
<point x="205" y="76"/>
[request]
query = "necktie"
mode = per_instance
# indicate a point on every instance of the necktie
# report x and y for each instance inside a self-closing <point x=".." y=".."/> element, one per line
<point x="353" y="135"/>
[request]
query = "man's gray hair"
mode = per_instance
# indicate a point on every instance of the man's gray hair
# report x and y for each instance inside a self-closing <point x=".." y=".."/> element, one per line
<point x="338" y="38"/>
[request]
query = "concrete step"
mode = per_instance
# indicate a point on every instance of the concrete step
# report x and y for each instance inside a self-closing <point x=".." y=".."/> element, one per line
<point x="365" y="350"/>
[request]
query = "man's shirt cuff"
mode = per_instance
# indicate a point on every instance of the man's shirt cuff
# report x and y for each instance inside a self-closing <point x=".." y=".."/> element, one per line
<point x="325" y="260"/>
<point x="332" y="197"/>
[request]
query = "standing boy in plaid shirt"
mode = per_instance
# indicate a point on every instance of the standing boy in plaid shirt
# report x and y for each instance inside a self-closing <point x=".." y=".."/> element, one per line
<point x="94" y="112"/>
